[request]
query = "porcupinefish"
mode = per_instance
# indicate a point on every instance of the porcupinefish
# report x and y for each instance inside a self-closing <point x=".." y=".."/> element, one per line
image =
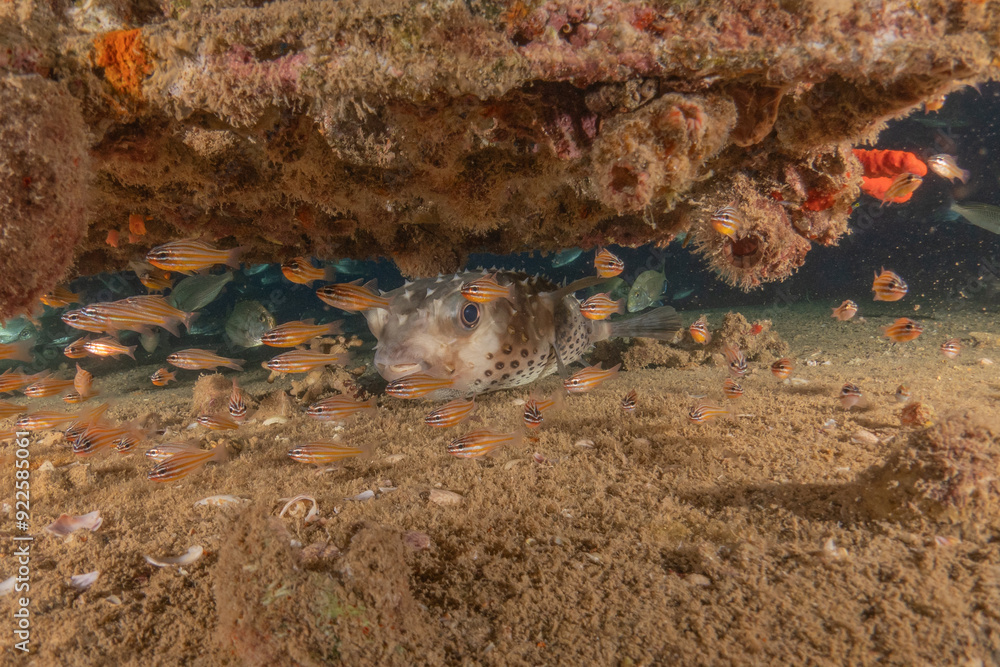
<point x="431" y="328"/>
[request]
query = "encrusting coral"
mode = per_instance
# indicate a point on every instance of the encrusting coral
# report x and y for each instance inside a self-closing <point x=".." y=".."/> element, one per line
<point x="425" y="131"/>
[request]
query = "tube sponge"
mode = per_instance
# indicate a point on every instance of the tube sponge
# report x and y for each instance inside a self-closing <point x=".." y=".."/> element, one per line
<point x="43" y="168"/>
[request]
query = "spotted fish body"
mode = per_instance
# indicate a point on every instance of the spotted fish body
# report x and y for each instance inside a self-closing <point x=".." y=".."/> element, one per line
<point x="482" y="347"/>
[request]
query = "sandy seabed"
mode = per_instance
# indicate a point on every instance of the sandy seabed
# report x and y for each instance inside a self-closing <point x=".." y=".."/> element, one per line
<point x="774" y="537"/>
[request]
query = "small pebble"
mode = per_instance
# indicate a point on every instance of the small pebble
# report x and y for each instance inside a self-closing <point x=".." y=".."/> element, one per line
<point x="443" y="497"/>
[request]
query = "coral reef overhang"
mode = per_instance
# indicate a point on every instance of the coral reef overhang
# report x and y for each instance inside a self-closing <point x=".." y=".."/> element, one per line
<point x="424" y="131"/>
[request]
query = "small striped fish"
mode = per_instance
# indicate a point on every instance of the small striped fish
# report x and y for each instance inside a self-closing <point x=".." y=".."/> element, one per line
<point x="601" y="306"/>
<point x="589" y="378"/>
<point x="481" y="443"/>
<point x="303" y="361"/>
<point x="237" y="403"/>
<point x="735" y="359"/>
<point x="901" y="188"/>
<point x="782" y="368"/>
<point x="451" y="413"/>
<point x="300" y="270"/>
<point x="11" y="409"/>
<point x="629" y="402"/>
<point x="73" y="398"/>
<point x="732" y="389"/>
<point x="337" y="408"/>
<point x="162" y="377"/>
<point x="850" y="395"/>
<point x="888" y="286"/>
<point x="319" y="452"/>
<point x="902" y="394"/>
<point x="83" y="382"/>
<point x="191" y="256"/>
<point x="416" y="385"/>
<point x="47" y="387"/>
<point x="353" y="296"/>
<point x="704" y="410"/>
<point x="487" y="289"/>
<point x="903" y="330"/>
<point x="845" y="311"/>
<point x="194" y="359"/>
<point x="59" y="297"/>
<point x="155" y="283"/>
<point x="167" y="449"/>
<point x="291" y="334"/>
<point x="699" y="331"/>
<point x="219" y="422"/>
<point x="12" y="380"/>
<point x="726" y="220"/>
<point x="108" y="347"/>
<point x="85" y="321"/>
<point x="46" y="419"/>
<point x="607" y="264"/>
<point x="183" y="463"/>
<point x="106" y="436"/>
<point x="951" y="348"/>
<point x="19" y="351"/>
<point x="76" y="349"/>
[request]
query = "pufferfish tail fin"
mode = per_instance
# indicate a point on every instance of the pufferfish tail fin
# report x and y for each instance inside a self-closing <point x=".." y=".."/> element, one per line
<point x="660" y="323"/>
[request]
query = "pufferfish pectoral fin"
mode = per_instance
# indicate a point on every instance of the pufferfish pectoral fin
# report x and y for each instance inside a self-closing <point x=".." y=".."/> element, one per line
<point x="376" y="318"/>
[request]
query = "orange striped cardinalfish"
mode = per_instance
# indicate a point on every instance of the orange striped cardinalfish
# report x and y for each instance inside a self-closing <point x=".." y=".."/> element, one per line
<point x="451" y="413"/>
<point x="934" y="103"/>
<point x="629" y="402"/>
<point x="888" y="286"/>
<point x="902" y="394"/>
<point x="303" y="361"/>
<point x="291" y="334"/>
<point x="167" y="449"/>
<point x="600" y="306"/>
<point x="138" y="313"/>
<point x="47" y="387"/>
<point x="101" y="435"/>
<point x="704" y="410"/>
<point x="19" y="351"/>
<point x="47" y="419"/>
<point x="162" y="377"/>
<point x="482" y="443"/>
<point x="11" y="409"/>
<point x="85" y="320"/>
<point x="944" y="165"/>
<point x="237" y="403"/>
<point x="782" y="368"/>
<point x="219" y="422"/>
<point x="191" y="256"/>
<point x="73" y="398"/>
<point x="108" y="347"/>
<point x="735" y="359"/>
<point x="699" y="331"/>
<point x="850" y="395"/>
<point x="59" y="297"/>
<point x="319" y="452"/>
<point x="416" y="385"/>
<point x="300" y="270"/>
<point x="589" y="378"/>
<point x="353" y="296"/>
<point x="12" y="380"/>
<point x="76" y="349"/>
<point x="902" y="330"/>
<point x="951" y="348"/>
<point x="487" y="289"/>
<point x="194" y="359"/>
<point x="155" y="283"/>
<point x="184" y="462"/>
<point x="535" y="409"/>
<point x="337" y="408"/>
<point x="727" y="221"/>
<point x="83" y="382"/>
<point x="607" y="264"/>
<point x="901" y="186"/>
<point x="731" y="388"/>
<point x="845" y="311"/>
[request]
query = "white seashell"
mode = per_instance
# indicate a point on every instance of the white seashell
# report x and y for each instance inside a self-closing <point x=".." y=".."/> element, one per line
<point x="698" y="580"/>
<point x="191" y="426"/>
<point x="7" y="585"/>
<point x="113" y="599"/>
<point x="188" y="557"/>
<point x="985" y="361"/>
<point x="829" y="425"/>
<point x="275" y="420"/>
<point x="46" y="466"/>
<point x="363" y="496"/>
<point x="84" y="581"/>
<point x="443" y="497"/>
<point x="583" y="442"/>
<point x="387" y="489"/>
<point x="66" y="524"/>
<point x="311" y="515"/>
<point x="865" y="437"/>
<point x="219" y="501"/>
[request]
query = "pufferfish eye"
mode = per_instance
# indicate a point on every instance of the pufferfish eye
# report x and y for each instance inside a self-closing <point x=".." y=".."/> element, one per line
<point x="469" y="315"/>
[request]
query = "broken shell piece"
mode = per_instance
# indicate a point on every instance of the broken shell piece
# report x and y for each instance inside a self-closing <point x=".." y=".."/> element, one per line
<point x="985" y="361"/>
<point x="583" y="442"/>
<point x="311" y="515"/>
<point x="698" y="580"/>
<point x="275" y="420"/>
<point x="219" y="501"/>
<point x="865" y="437"/>
<point x="832" y="551"/>
<point x="188" y="557"/>
<point x="66" y="524"/>
<point x="84" y="581"/>
<point x="46" y="466"/>
<point x="113" y="599"/>
<point x="363" y="496"/>
<point x="7" y="586"/>
<point x="442" y="497"/>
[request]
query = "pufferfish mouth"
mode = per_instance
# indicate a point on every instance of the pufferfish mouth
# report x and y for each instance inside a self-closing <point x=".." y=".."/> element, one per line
<point x="744" y="252"/>
<point x="403" y="369"/>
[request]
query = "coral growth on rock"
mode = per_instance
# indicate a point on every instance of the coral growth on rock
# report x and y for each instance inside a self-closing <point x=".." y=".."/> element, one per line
<point x="425" y="131"/>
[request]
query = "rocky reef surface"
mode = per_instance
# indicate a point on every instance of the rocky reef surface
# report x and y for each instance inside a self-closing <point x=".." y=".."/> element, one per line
<point x="424" y="131"/>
